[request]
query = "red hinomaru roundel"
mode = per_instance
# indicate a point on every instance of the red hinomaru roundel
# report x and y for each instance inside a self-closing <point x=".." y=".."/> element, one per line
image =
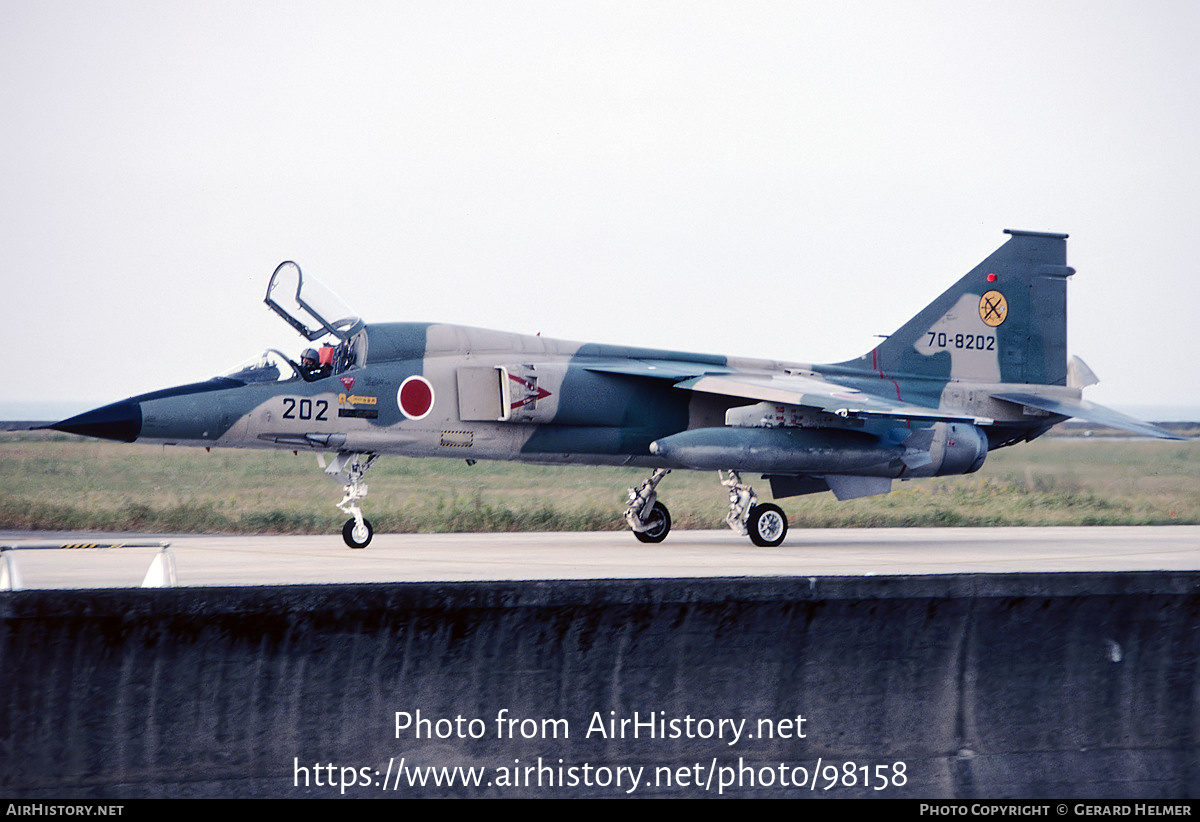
<point x="415" y="398"/>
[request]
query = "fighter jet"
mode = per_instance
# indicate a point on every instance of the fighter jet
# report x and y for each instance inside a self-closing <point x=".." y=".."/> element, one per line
<point x="982" y="367"/>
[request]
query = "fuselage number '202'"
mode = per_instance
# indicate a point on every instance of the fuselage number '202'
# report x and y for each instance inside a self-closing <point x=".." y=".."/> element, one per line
<point x="303" y="409"/>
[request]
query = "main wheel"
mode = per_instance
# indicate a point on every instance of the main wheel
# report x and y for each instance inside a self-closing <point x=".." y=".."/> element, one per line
<point x="660" y="525"/>
<point x="355" y="537"/>
<point x="768" y="525"/>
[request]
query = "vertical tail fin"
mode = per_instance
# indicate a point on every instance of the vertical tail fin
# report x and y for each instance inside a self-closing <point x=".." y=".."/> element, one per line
<point x="1005" y="321"/>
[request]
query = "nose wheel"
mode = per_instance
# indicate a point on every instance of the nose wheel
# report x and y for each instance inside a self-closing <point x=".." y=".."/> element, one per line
<point x="357" y="536"/>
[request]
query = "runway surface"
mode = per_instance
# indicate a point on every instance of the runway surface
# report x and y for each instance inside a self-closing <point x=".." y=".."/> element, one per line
<point x="291" y="560"/>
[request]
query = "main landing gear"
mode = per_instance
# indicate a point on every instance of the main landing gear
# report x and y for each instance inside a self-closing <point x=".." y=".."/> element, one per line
<point x="647" y="517"/>
<point x="357" y="531"/>
<point x="650" y="521"/>
<point x="766" y="524"/>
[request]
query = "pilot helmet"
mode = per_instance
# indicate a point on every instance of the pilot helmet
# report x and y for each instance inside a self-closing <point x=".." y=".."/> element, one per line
<point x="308" y="356"/>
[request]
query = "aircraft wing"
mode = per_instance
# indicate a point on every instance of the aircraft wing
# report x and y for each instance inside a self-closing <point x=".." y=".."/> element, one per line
<point x="795" y="389"/>
<point x="1084" y="410"/>
<point x="673" y="370"/>
<point x="791" y="389"/>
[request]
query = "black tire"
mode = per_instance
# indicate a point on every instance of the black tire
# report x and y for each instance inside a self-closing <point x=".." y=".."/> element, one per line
<point x="768" y="525"/>
<point x="660" y="519"/>
<point x="348" y="534"/>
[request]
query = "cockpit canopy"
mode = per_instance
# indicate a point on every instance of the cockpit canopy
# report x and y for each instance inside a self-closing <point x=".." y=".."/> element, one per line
<point x="308" y="306"/>
<point x="269" y="366"/>
<point x="315" y="311"/>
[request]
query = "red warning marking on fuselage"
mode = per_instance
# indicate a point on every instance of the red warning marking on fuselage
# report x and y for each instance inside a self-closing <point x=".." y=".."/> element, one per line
<point x="536" y="392"/>
<point x="348" y="382"/>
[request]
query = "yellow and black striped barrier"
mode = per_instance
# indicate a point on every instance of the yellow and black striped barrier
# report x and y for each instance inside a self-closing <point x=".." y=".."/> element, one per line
<point x="161" y="573"/>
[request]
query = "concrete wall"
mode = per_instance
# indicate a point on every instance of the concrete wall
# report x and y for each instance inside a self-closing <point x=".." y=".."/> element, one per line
<point x="1073" y="685"/>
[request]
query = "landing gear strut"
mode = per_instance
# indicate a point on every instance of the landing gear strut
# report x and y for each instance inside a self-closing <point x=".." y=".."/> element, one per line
<point x="647" y="517"/>
<point x="766" y="525"/>
<point x="357" y="531"/>
<point x="741" y="499"/>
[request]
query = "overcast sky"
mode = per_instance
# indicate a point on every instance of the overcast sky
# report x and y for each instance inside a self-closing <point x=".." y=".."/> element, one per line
<point x="781" y="180"/>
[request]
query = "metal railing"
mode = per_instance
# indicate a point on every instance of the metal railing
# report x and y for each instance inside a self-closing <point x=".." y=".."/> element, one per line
<point x="160" y="574"/>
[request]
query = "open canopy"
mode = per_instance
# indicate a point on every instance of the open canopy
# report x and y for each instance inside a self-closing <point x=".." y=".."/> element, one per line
<point x="308" y="306"/>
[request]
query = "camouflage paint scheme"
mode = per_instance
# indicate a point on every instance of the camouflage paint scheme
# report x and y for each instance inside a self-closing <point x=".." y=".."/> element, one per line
<point x="983" y="366"/>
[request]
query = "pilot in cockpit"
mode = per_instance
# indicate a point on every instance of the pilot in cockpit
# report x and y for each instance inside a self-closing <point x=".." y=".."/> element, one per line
<point x="311" y="365"/>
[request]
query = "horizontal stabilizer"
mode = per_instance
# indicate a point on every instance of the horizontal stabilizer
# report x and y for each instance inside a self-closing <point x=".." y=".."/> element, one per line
<point x="1079" y="375"/>
<point x="1084" y="410"/>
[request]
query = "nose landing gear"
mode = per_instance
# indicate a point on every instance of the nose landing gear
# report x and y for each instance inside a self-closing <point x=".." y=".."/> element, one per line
<point x="357" y="531"/>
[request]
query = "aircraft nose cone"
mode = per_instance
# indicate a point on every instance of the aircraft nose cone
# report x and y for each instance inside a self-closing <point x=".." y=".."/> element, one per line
<point x="120" y="421"/>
